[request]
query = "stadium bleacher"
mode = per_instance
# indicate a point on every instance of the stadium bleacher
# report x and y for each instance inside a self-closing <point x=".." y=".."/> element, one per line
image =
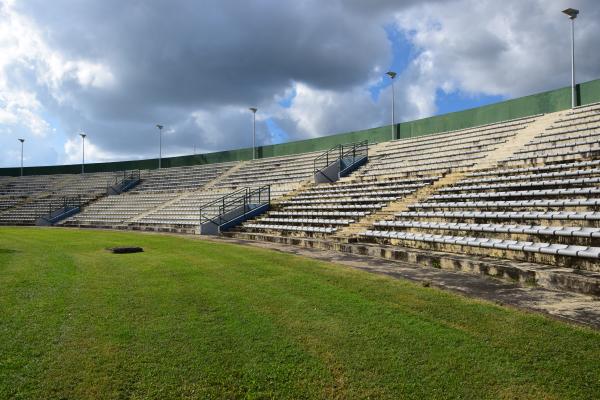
<point x="546" y="213"/>
<point x="525" y="189"/>
<point x="24" y="199"/>
<point x="395" y="170"/>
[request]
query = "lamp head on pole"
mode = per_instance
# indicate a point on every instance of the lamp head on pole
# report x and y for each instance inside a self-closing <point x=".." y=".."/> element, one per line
<point x="571" y="12"/>
<point x="83" y="135"/>
<point x="253" y="109"/>
<point x="21" y="140"/>
<point x="391" y="74"/>
<point x="159" y="126"/>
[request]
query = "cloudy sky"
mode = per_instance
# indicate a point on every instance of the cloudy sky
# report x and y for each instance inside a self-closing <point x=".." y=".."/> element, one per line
<point x="115" y="68"/>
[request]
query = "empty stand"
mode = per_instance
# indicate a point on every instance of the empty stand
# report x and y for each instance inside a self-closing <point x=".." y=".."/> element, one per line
<point x="30" y="197"/>
<point x="395" y="170"/>
<point x="327" y="207"/>
<point x="540" y="204"/>
<point x="524" y="190"/>
<point x="178" y="179"/>
<point x="286" y="170"/>
<point x="440" y="153"/>
<point x="115" y="211"/>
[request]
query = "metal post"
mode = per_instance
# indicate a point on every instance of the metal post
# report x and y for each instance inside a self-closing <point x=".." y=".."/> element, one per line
<point x="573" y="100"/>
<point x="392" y="75"/>
<point x="21" y="140"/>
<point x="159" y="148"/>
<point x="572" y="14"/>
<point x="83" y="135"/>
<point x="393" y="111"/>
<point x="253" y="109"/>
<point x="160" y="127"/>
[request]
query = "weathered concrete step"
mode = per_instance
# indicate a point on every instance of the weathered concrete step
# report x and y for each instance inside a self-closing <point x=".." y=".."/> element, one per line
<point x="136" y="227"/>
<point x="546" y="276"/>
<point x="161" y="228"/>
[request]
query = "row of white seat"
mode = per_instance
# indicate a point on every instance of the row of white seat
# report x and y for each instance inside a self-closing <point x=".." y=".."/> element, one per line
<point x="519" y="193"/>
<point x="512" y="203"/>
<point x="308" y="221"/>
<point x="292" y="228"/>
<point x="537" y="168"/>
<point x="497" y="228"/>
<point x="525" y="177"/>
<point x="501" y="244"/>
<point x="528" y="183"/>
<point x="508" y="215"/>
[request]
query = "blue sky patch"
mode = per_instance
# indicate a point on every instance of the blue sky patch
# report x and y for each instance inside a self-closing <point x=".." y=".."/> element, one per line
<point x="457" y="101"/>
<point x="276" y="134"/>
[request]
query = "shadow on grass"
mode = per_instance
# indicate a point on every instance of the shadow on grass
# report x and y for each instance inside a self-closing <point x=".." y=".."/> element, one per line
<point x="8" y="251"/>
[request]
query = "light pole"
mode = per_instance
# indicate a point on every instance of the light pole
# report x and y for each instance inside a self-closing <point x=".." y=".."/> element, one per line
<point x="254" y="110"/>
<point x="392" y="75"/>
<point x="572" y="13"/>
<point x="21" y="140"/>
<point x="83" y="135"/>
<point x="160" y="127"/>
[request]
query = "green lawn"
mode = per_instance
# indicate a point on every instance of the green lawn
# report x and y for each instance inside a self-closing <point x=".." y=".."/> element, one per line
<point x="194" y="319"/>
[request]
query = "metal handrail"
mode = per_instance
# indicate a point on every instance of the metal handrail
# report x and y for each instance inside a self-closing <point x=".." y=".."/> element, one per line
<point x="124" y="176"/>
<point x="240" y="198"/>
<point x="356" y="150"/>
<point x="63" y="203"/>
<point x="359" y="149"/>
<point x="216" y="201"/>
<point x="326" y="155"/>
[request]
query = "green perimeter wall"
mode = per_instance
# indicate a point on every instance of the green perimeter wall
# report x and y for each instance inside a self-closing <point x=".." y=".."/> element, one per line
<point x="545" y="102"/>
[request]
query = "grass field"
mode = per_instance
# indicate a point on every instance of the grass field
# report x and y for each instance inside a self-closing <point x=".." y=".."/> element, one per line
<point x="194" y="319"/>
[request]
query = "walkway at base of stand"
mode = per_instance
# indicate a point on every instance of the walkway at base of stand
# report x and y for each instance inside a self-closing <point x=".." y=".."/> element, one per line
<point x="567" y="306"/>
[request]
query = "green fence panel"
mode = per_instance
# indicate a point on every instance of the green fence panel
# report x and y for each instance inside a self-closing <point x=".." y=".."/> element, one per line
<point x="551" y="101"/>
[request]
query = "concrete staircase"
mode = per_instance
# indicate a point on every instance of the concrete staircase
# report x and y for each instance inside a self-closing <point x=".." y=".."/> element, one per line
<point x="221" y="177"/>
<point x="518" y="141"/>
<point x="398" y="206"/>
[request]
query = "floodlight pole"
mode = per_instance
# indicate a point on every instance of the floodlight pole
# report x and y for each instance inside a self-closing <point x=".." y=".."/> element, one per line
<point x="253" y="109"/>
<point x="392" y="75"/>
<point x="573" y="62"/>
<point x="572" y="13"/>
<point x="21" y="140"/>
<point x="160" y="128"/>
<point x="83" y="135"/>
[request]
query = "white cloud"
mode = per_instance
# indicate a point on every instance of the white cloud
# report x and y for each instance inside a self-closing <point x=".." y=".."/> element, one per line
<point x="65" y="67"/>
<point x="23" y="51"/>
<point x="73" y="152"/>
<point x="315" y="112"/>
<point x="510" y="48"/>
<point x="30" y="68"/>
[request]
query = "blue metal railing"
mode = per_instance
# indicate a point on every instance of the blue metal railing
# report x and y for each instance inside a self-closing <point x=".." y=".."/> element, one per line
<point x="241" y="201"/>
